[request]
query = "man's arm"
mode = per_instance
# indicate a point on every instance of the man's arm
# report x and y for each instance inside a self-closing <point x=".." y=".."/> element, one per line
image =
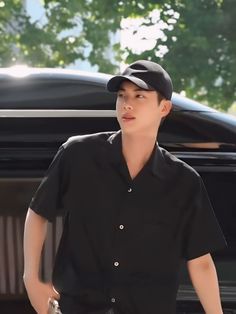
<point x="204" y="279"/>
<point x="34" y="237"/>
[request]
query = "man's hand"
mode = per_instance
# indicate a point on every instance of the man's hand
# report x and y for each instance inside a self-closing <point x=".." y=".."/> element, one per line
<point x="39" y="294"/>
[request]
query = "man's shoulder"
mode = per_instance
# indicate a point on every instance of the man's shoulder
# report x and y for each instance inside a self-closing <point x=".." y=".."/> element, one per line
<point x="87" y="139"/>
<point x="178" y="165"/>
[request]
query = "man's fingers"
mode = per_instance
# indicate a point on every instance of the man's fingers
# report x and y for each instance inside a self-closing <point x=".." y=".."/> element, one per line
<point x="56" y="295"/>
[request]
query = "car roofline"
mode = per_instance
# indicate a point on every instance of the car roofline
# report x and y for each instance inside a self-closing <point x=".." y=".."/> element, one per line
<point x="94" y="78"/>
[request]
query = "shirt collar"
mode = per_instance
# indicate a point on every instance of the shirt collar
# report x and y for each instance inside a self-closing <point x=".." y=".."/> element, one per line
<point x="115" y="143"/>
<point x="156" y="164"/>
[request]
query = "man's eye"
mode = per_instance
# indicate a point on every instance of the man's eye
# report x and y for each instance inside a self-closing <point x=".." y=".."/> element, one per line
<point x="120" y="95"/>
<point x="140" y="96"/>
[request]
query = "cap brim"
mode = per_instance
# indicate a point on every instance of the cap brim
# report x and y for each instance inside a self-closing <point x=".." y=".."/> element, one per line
<point x="114" y="83"/>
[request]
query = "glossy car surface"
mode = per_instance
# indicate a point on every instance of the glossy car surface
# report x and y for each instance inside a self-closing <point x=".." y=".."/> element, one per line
<point x="41" y="108"/>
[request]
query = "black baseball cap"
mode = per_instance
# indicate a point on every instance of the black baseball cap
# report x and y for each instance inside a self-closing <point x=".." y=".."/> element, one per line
<point x="145" y="74"/>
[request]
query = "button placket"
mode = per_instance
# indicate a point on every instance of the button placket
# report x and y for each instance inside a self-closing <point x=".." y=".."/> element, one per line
<point x="120" y="227"/>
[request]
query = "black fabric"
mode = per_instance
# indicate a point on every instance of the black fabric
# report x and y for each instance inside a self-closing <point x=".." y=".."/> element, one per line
<point x="147" y="225"/>
<point x="71" y="305"/>
<point x="147" y="75"/>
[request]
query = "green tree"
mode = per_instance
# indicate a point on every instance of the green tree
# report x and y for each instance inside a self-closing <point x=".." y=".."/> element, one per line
<point x="202" y="51"/>
<point x="199" y="35"/>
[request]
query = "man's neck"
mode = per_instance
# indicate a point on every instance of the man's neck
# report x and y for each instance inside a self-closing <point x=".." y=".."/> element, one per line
<point x="137" y="149"/>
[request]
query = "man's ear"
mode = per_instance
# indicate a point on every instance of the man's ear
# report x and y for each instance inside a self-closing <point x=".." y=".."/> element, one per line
<point x="166" y="106"/>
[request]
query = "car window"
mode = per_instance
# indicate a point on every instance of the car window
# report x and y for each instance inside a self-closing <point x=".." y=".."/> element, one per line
<point x="54" y="94"/>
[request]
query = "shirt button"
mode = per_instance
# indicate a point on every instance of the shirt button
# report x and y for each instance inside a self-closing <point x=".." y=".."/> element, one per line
<point x="113" y="300"/>
<point x="116" y="264"/>
<point x="129" y="190"/>
<point x="121" y="227"/>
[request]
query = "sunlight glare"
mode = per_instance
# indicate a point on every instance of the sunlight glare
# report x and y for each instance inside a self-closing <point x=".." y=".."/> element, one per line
<point x="19" y="70"/>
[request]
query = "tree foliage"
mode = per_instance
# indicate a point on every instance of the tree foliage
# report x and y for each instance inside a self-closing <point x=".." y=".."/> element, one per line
<point x="200" y="37"/>
<point x="203" y="57"/>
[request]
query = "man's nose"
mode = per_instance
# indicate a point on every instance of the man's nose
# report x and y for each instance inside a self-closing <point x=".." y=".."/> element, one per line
<point x="127" y="107"/>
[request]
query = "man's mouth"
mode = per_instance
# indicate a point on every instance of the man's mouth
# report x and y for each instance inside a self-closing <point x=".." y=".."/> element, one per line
<point x="127" y="117"/>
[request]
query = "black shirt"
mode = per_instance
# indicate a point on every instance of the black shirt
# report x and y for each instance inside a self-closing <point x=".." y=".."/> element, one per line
<point x="124" y="239"/>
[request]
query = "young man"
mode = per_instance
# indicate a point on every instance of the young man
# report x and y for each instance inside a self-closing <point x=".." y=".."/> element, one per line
<point x="132" y="212"/>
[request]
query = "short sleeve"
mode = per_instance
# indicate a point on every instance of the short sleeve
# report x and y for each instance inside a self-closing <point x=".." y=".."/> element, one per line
<point x="202" y="233"/>
<point x="47" y="201"/>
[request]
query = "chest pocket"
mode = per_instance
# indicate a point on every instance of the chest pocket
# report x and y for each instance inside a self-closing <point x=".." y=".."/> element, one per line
<point x="159" y="228"/>
<point x="156" y="225"/>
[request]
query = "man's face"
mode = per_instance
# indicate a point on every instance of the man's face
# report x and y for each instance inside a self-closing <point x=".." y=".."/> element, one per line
<point x="138" y="110"/>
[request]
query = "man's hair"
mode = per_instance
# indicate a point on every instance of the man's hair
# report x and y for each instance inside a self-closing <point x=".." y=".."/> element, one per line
<point x="160" y="97"/>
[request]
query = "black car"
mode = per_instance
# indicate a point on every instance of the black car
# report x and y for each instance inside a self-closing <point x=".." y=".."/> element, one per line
<point x="41" y="108"/>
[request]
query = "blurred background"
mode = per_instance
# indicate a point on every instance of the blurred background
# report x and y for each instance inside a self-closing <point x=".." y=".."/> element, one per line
<point x="194" y="40"/>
